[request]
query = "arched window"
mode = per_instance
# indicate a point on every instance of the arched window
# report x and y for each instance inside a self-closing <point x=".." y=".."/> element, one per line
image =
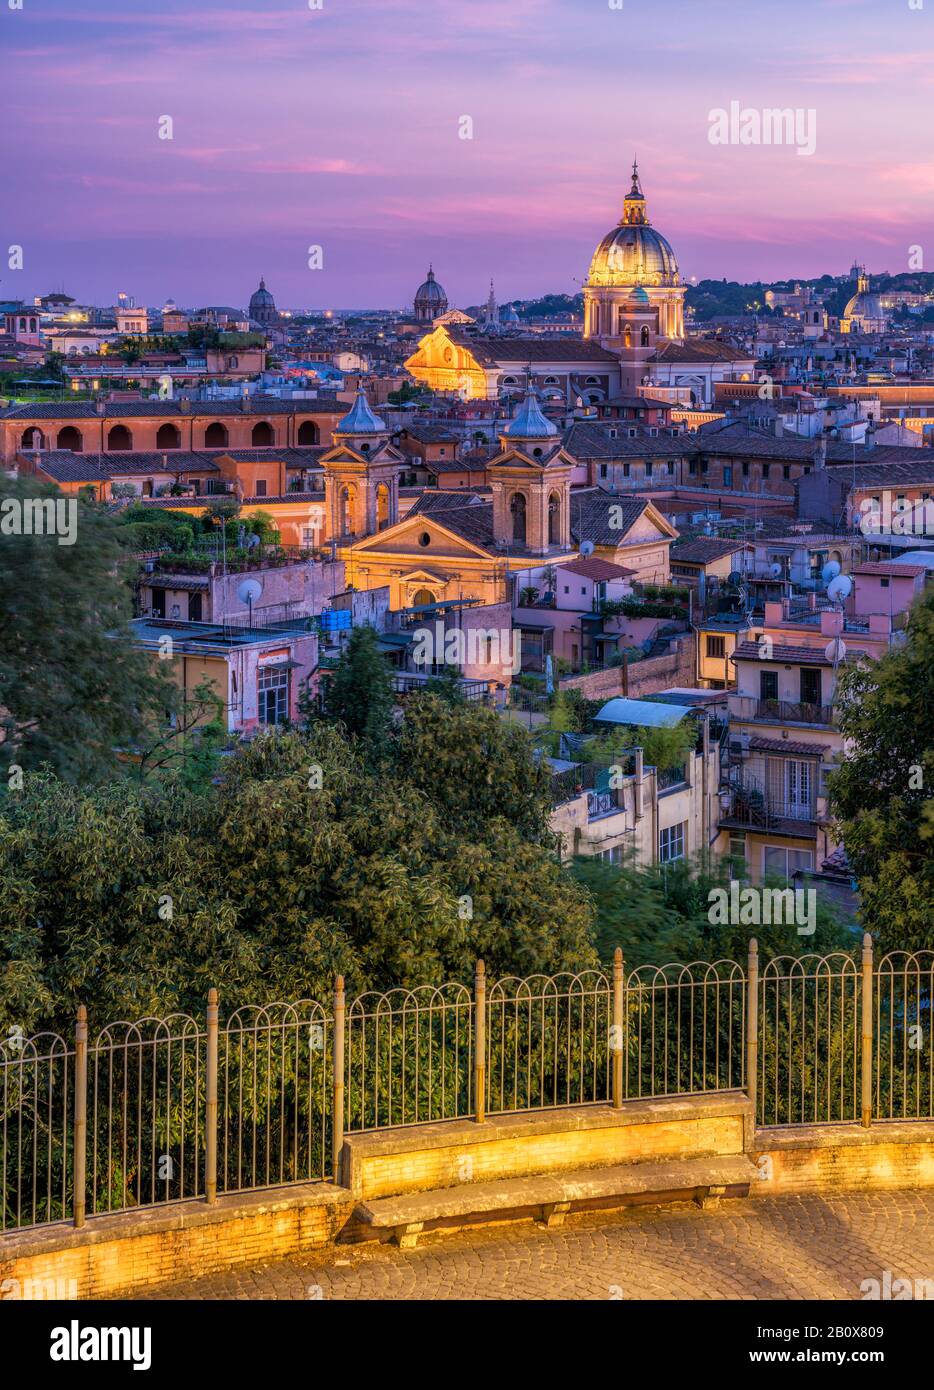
<point x="33" y="439"/>
<point x="308" y="432"/>
<point x="627" y="336"/>
<point x="421" y="597"/>
<point x="644" y="335"/>
<point x="517" y="508"/>
<point x="554" y="519"/>
<point x="382" y="507"/>
<point x="168" y="437"/>
<point x="346" y="518"/>
<point x="119" y="439"/>
<point x="69" y="438"/>
<point x="215" y="436"/>
<point x="262" y="435"/>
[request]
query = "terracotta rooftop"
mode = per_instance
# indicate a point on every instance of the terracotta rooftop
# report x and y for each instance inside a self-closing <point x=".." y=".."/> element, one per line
<point x="889" y="569"/>
<point x="591" y="567"/>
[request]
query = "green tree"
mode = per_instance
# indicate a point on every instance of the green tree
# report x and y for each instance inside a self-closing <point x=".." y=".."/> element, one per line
<point x="881" y="792"/>
<point x="74" y="689"/>
<point x="359" y="693"/>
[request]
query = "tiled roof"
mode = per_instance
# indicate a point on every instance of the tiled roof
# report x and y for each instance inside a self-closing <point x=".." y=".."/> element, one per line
<point x="740" y="441"/>
<point x="701" y="350"/>
<point x="592" y="510"/>
<point x="805" y="656"/>
<point x="518" y="352"/>
<point x="66" y="467"/>
<point x="586" y="440"/>
<point x="888" y="569"/>
<point x="436" y="500"/>
<point x="199" y="410"/>
<point x="911" y="466"/>
<point x="702" y="550"/>
<point x="592" y="567"/>
<point x="786" y="745"/>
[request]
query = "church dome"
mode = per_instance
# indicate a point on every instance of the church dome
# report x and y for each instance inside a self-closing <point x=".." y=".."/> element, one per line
<point x="864" y="305"/>
<point x="360" y="419"/>
<point x="430" y="299"/>
<point x="634" y="253"/>
<point x="262" y="305"/>
<point x="529" y="422"/>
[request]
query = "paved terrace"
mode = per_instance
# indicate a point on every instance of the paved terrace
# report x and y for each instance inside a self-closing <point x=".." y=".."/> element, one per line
<point x="760" y="1248"/>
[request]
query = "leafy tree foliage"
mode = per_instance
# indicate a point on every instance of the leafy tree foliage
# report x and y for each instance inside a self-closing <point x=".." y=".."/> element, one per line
<point x="661" y="914"/>
<point x="73" y="688"/>
<point x="881" y="793"/>
<point x="309" y="859"/>
<point x="359" y="693"/>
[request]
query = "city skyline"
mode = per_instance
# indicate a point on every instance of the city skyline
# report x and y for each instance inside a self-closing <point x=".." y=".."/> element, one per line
<point x="101" y="204"/>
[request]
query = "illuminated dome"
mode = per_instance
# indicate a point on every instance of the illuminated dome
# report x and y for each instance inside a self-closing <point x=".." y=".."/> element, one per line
<point x="864" y="311"/>
<point x="430" y="299"/>
<point x="634" y="253"/>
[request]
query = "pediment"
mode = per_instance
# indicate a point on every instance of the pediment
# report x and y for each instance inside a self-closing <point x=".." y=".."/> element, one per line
<point x="403" y="539"/>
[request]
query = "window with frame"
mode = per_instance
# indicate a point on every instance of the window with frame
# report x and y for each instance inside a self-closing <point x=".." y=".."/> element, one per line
<point x="716" y="646"/>
<point x="671" y="843"/>
<point x="768" y="685"/>
<point x="273" y="695"/>
<point x="779" y="862"/>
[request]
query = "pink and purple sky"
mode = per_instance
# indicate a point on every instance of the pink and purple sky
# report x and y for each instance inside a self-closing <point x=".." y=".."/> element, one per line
<point x="339" y="127"/>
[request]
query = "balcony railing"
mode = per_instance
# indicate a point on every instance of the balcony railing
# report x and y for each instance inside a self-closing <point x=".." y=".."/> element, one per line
<point x="759" y="810"/>
<point x="791" y="712"/>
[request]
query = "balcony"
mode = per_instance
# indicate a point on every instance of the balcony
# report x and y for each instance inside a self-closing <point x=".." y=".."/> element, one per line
<point x="792" y="712"/>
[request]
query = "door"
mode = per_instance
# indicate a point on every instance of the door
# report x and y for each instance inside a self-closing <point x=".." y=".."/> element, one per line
<point x="810" y="686"/>
<point x="799" y="784"/>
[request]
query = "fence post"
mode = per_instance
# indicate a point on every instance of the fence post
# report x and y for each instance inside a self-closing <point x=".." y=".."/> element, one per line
<point x="866" y="1068"/>
<point x="479" y="1039"/>
<point x="81" y="1115"/>
<point x="337" y="1094"/>
<point x="752" y="1027"/>
<point x="617" y="1030"/>
<point x="210" y="1103"/>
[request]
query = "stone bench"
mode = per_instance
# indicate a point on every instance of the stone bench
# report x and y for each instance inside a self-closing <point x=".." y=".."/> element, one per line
<point x="551" y="1196"/>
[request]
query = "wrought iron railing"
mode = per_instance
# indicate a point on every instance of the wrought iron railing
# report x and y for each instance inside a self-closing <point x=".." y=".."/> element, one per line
<point x="794" y="712"/>
<point x="174" y="1109"/>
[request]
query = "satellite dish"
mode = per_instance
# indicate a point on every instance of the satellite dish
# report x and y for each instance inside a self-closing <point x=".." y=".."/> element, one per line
<point x="586" y="547"/>
<point x="248" y="591"/>
<point x="839" y="589"/>
<point x="830" y="571"/>
<point x="835" y="650"/>
<point x="775" y="570"/>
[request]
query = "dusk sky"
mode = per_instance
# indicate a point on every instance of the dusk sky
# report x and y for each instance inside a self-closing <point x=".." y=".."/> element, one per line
<point x="339" y="127"/>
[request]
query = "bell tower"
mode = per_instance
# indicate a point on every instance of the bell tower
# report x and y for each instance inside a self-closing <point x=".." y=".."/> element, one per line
<point x="531" y="484"/>
<point x="361" y="475"/>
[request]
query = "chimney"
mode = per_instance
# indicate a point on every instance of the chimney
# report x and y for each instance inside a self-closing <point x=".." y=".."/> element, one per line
<point x="637" y="785"/>
<point x="820" y="452"/>
<point x="101" y="406"/>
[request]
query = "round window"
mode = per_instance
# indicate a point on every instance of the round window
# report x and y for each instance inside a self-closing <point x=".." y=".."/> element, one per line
<point x="424" y="538"/>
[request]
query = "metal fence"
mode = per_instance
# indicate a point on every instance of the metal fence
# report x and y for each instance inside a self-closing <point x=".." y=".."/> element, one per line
<point x="168" y="1110"/>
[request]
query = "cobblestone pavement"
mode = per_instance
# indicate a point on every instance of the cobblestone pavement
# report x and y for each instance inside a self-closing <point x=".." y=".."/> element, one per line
<point x="762" y="1248"/>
